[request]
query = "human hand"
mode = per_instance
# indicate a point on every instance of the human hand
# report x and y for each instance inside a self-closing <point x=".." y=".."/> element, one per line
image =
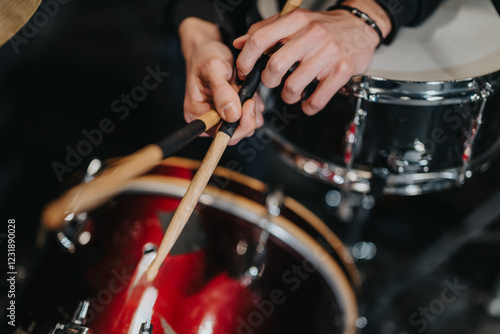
<point x="330" y="46"/>
<point x="210" y="79"/>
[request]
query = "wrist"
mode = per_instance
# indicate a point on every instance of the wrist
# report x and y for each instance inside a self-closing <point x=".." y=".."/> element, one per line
<point x="377" y="13"/>
<point x="194" y="32"/>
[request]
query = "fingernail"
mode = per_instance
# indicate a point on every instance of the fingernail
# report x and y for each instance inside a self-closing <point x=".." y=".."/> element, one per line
<point x="252" y="109"/>
<point x="244" y="36"/>
<point x="228" y="110"/>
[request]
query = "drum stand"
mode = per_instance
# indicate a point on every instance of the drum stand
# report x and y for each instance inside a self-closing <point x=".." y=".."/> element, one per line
<point x="473" y="227"/>
<point x="354" y="208"/>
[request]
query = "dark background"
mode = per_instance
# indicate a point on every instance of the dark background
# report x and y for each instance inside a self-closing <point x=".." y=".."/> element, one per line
<point x="63" y="81"/>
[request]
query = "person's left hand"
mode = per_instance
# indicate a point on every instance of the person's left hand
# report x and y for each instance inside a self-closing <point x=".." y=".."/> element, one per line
<point x="330" y="46"/>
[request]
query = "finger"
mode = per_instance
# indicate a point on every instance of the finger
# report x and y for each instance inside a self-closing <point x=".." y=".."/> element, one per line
<point x="248" y="122"/>
<point x="303" y="75"/>
<point x="194" y="99"/>
<point x="225" y="99"/>
<point x="326" y="89"/>
<point x="281" y="61"/>
<point x="240" y="41"/>
<point x="267" y="36"/>
<point x="259" y="109"/>
<point x="192" y="110"/>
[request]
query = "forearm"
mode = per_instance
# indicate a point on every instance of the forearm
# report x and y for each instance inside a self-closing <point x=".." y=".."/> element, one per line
<point x="194" y="32"/>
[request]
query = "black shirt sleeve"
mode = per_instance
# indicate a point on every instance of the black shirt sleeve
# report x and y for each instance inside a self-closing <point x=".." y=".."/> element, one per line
<point x="233" y="16"/>
<point x="406" y="13"/>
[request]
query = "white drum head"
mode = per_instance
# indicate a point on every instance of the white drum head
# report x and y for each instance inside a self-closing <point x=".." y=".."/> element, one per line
<point x="460" y="40"/>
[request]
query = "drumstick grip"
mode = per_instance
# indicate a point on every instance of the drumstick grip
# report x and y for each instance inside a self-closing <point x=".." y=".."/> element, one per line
<point x="247" y="91"/>
<point x="188" y="133"/>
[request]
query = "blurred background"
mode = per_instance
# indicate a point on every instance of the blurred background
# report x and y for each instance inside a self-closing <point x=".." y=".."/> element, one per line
<point x="62" y="81"/>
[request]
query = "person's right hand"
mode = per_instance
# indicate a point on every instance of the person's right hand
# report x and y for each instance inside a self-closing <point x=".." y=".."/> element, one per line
<point x="210" y="79"/>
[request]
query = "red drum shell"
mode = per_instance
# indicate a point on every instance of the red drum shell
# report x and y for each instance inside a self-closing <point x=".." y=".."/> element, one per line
<point x="231" y="271"/>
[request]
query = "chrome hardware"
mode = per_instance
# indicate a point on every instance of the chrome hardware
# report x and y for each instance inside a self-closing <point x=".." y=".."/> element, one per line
<point x="380" y="90"/>
<point x="358" y="179"/>
<point x="80" y="316"/>
<point x="274" y="201"/>
<point x="94" y="167"/>
<point x="363" y="250"/>
<point x="255" y="267"/>
<point x="414" y="160"/>
<point x="471" y="135"/>
<point x="146" y="327"/>
<point x="351" y="203"/>
<point x="77" y="325"/>
<point x="334" y="198"/>
<point x="71" y="233"/>
<point x="361" y="322"/>
<point x="353" y="136"/>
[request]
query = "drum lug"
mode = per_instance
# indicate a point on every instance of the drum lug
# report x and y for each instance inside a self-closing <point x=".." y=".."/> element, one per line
<point x="146" y="327"/>
<point x="74" y="224"/>
<point x="94" y="167"/>
<point x="474" y="128"/>
<point x="255" y="267"/>
<point x="274" y="201"/>
<point x="77" y="325"/>
<point x="414" y="160"/>
<point x="73" y="233"/>
<point x="353" y="137"/>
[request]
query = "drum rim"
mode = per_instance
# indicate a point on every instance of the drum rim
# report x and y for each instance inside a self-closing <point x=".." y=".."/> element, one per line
<point x="280" y="226"/>
<point x="298" y="208"/>
<point x="382" y="90"/>
<point x="406" y="184"/>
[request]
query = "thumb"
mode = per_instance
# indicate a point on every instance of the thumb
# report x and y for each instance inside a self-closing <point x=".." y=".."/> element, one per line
<point x="226" y="100"/>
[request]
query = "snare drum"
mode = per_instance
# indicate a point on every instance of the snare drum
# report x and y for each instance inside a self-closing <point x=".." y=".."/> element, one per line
<point x="424" y="117"/>
<point x="239" y="266"/>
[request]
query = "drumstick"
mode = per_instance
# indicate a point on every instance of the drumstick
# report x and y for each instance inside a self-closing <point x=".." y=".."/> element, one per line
<point x="87" y="196"/>
<point x="209" y="163"/>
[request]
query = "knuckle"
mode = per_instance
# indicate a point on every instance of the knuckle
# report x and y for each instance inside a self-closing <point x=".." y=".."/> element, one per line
<point x="346" y="68"/>
<point x="216" y="64"/>
<point x="276" y="66"/>
<point x="314" y="105"/>
<point x="291" y="88"/>
<point x="243" y="66"/>
<point x="256" y="40"/>
<point x="318" y="29"/>
<point x="299" y="14"/>
<point x="333" y="48"/>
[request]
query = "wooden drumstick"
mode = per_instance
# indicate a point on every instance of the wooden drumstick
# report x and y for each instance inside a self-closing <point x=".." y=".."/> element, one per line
<point x="87" y="196"/>
<point x="13" y="16"/>
<point x="209" y="163"/>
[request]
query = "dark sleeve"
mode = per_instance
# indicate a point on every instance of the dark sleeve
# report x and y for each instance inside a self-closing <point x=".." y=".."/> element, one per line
<point x="230" y="16"/>
<point x="406" y="13"/>
<point x="202" y="9"/>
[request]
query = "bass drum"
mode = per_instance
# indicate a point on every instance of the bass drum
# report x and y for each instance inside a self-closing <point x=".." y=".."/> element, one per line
<point x="243" y="264"/>
<point x="424" y="117"/>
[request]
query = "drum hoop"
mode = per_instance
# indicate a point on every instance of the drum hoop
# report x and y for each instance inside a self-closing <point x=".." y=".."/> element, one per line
<point x="406" y="184"/>
<point x="298" y="208"/>
<point x="220" y="171"/>
<point x="422" y="93"/>
<point x="281" y="227"/>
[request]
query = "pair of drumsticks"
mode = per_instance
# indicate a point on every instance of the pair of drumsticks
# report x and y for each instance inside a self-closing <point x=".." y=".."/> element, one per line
<point x="88" y="196"/>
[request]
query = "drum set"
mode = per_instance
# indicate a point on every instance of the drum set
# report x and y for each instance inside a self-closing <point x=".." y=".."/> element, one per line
<point x="424" y="118"/>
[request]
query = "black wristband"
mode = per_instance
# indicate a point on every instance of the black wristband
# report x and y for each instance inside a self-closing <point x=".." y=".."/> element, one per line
<point x="367" y="19"/>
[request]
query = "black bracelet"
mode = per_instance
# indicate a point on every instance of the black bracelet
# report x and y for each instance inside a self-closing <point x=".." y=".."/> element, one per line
<point x="368" y="20"/>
